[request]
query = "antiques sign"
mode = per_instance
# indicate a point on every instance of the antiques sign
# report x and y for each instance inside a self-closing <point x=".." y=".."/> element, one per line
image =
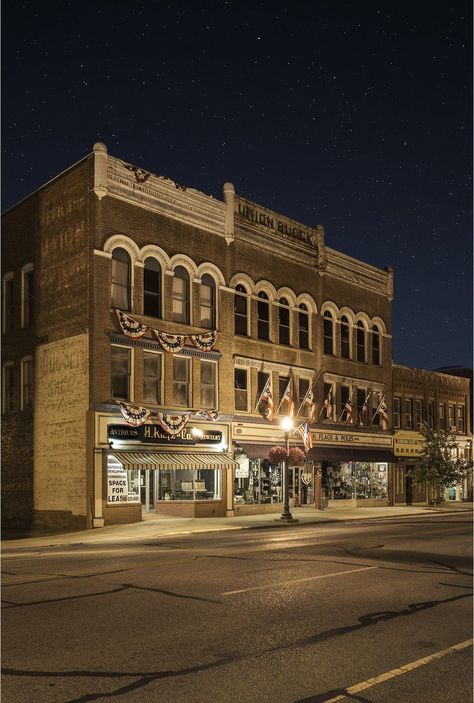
<point x="153" y="434"/>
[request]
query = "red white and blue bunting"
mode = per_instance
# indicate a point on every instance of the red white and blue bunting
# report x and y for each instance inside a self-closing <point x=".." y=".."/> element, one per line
<point x="130" y="326"/>
<point x="134" y="415"/>
<point x="172" y="343"/>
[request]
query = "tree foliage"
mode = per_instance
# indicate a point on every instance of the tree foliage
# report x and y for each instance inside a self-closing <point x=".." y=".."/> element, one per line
<point x="440" y="467"/>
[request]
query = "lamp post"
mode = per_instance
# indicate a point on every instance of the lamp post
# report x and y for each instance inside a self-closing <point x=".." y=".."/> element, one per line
<point x="286" y="516"/>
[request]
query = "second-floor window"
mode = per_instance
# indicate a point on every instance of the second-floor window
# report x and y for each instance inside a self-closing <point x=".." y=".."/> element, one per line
<point x="180" y="295"/>
<point x="263" y="316"/>
<point x="396" y="413"/>
<point x="442" y="416"/>
<point x="8" y="389"/>
<point x="460" y="419"/>
<point x="207" y="302"/>
<point x="8" y="303"/>
<point x="208" y="384"/>
<point x="328" y="325"/>
<point x="303" y="327"/>
<point x="152" y="282"/>
<point x="431" y="414"/>
<point x="121" y="279"/>
<point x="121" y="372"/>
<point x="451" y="417"/>
<point x="181" y="381"/>
<point x="240" y="311"/>
<point x="240" y="389"/>
<point x="345" y="338"/>
<point x="284" y="322"/>
<point x="418" y="414"/>
<point x="152" y="373"/>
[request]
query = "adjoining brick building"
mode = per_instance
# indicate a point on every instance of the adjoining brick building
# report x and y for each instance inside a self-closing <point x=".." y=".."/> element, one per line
<point x="120" y="286"/>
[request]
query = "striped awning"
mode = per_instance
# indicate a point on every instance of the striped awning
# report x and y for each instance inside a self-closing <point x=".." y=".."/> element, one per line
<point x="174" y="460"/>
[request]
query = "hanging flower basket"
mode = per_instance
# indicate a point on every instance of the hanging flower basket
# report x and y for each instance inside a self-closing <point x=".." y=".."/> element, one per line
<point x="277" y="455"/>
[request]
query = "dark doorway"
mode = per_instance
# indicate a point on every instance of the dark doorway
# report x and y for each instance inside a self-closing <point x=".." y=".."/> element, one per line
<point x="409" y="485"/>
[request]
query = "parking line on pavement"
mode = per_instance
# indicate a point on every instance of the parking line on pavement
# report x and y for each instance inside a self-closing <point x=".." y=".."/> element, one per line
<point x="289" y="583"/>
<point x="399" y="671"/>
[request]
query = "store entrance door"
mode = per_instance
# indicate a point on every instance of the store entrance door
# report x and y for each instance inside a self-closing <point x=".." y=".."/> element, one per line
<point x="147" y="489"/>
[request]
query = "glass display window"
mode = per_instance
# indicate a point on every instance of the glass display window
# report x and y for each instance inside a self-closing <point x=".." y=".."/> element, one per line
<point x="189" y="484"/>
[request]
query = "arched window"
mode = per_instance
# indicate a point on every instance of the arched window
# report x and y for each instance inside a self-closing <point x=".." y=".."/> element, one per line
<point x="303" y="327"/>
<point x="345" y="338"/>
<point x="360" y="341"/>
<point x="180" y="295"/>
<point x="263" y="316"/>
<point x="240" y="311"/>
<point x="328" y="333"/>
<point x="207" y="296"/>
<point x="152" y="288"/>
<point x="121" y="279"/>
<point x="375" y="345"/>
<point x="284" y="322"/>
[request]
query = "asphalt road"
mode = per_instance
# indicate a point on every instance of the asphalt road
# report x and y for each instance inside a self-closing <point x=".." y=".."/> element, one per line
<point x="378" y="610"/>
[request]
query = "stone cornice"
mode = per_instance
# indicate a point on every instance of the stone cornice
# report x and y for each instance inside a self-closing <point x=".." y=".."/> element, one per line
<point x="163" y="195"/>
<point x="347" y="268"/>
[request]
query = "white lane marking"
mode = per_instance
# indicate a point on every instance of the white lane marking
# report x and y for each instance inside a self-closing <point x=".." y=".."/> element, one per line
<point x="289" y="583"/>
<point x="399" y="671"/>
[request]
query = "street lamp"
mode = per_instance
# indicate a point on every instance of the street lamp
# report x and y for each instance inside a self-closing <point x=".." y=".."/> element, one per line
<point x="287" y="426"/>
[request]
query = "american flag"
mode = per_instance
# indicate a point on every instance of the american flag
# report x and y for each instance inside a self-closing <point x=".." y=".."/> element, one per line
<point x="308" y="402"/>
<point x="305" y="432"/>
<point x="328" y="404"/>
<point x="266" y="398"/>
<point x="383" y="412"/>
<point x="349" y="412"/>
<point x="363" y="412"/>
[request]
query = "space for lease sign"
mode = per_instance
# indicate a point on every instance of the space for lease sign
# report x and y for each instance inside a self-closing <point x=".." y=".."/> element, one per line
<point x="117" y="485"/>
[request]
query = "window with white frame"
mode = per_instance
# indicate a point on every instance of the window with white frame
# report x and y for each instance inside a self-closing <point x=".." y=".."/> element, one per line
<point x="152" y="377"/>
<point x="8" y="302"/>
<point x="27" y="383"/>
<point x="8" y="388"/>
<point x="241" y="389"/>
<point x="181" y="381"/>
<point x="121" y="372"/>
<point x="241" y="311"/>
<point x="152" y="283"/>
<point x="208" y="384"/>
<point x="207" y="302"/>
<point x="27" y="296"/>
<point x="121" y="284"/>
<point x="180" y="295"/>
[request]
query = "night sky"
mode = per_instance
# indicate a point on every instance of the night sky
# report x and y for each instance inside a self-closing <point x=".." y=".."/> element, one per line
<point x="353" y="115"/>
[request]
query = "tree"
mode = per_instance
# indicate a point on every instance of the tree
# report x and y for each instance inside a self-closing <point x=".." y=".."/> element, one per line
<point x="440" y="466"/>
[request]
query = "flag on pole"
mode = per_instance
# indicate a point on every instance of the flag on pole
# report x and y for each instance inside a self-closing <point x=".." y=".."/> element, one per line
<point x="383" y="412"/>
<point x="305" y="432"/>
<point x="363" y="411"/>
<point x="308" y="402"/>
<point x="266" y="398"/>
<point x="349" y="412"/>
<point x="287" y="398"/>
<point x="328" y="405"/>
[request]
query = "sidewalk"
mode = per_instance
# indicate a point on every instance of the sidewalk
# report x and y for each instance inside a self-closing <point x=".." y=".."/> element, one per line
<point x="156" y="526"/>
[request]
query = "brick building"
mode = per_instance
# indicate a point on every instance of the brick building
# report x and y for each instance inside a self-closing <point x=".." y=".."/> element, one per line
<point x="145" y="325"/>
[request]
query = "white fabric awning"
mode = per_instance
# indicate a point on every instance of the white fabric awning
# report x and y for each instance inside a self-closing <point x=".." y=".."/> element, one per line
<point x="174" y="460"/>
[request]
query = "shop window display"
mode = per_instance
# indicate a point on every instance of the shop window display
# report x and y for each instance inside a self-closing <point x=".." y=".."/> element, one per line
<point x="361" y="480"/>
<point x="188" y="484"/>
<point x="261" y="485"/>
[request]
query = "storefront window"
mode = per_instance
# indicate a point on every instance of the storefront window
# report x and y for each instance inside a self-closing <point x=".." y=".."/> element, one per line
<point x="260" y="483"/>
<point x="188" y="484"/>
<point x="123" y="486"/>
<point x="359" y="480"/>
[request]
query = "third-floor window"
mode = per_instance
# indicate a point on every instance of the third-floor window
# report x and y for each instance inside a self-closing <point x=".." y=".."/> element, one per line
<point x="180" y="295"/>
<point x="240" y="311"/>
<point x="207" y="302"/>
<point x="328" y="325"/>
<point x="263" y="316"/>
<point x="152" y="288"/>
<point x="284" y="322"/>
<point x="121" y="279"/>
<point x="345" y="338"/>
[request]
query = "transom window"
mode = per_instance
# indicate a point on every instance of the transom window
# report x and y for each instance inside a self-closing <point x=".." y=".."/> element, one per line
<point x="180" y="295"/>
<point x="121" y="279"/>
<point x="284" y="322"/>
<point x="207" y="297"/>
<point x="241" y="311"/>
<point x="152" y="281"/>
<point x="263" y="316"/>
